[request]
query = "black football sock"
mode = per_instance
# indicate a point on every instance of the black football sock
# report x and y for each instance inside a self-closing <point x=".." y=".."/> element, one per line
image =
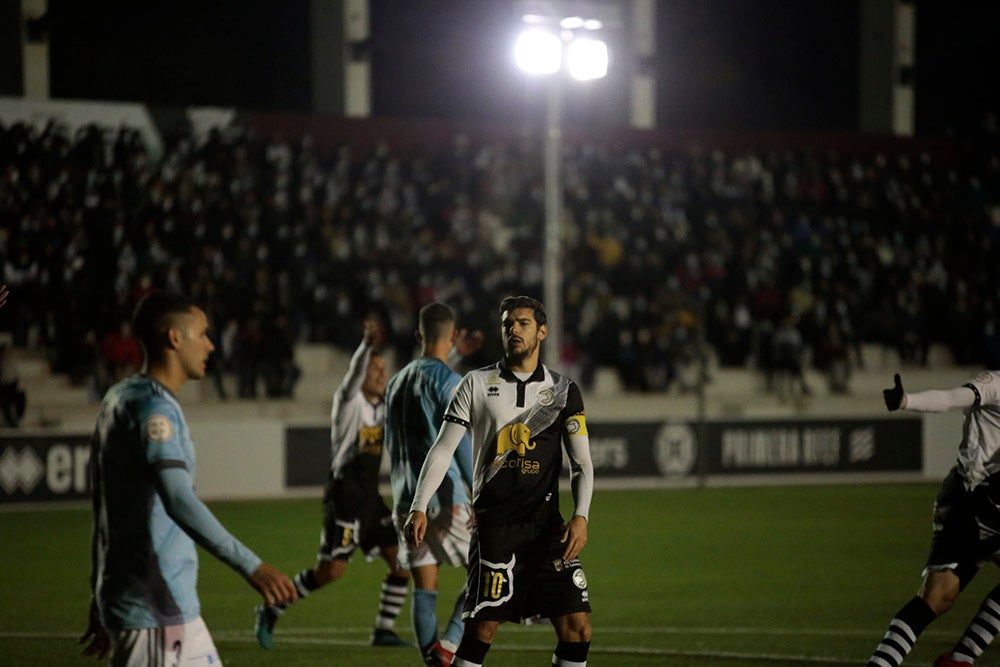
<point x="571" y="654"/>
<point x="471" y="653"/>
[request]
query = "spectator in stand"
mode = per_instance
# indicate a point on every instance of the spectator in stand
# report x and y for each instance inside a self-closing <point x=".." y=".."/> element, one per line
<point x="120" y="355"/>
<point x="789" y="350"/>
<point x="277" y="358"/>
<point x="249" y="345"/>
<point x="13" y="399"/>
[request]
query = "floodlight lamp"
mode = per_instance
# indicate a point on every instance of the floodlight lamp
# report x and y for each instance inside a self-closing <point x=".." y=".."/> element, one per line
<point x="538" y="52"/>
<point x="587" y="59"/>
<point x="533" y="19"/>
<point x="571" y="23"/>
<point x="592" y="24"/>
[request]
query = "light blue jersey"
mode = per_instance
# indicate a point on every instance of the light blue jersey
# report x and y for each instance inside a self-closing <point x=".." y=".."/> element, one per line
<point x="416" y="399"/>
<point x="147" y="518"/>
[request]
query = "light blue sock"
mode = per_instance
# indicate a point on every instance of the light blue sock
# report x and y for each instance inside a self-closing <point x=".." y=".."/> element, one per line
<point x="456" y="626"/>
<point x="424" y="612"/>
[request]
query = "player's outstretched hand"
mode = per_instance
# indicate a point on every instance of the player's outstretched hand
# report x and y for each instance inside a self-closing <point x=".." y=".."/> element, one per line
<point x="574" y="537"/>
<point x="273" y="585"/>
<point x="894" y="395"/>
<point x="374" y="333"/>
<point x="96" y="637"/>
<point x="415" y="528"/>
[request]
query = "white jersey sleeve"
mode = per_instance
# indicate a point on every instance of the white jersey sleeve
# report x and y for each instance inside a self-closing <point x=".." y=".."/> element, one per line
<point x="436" y="464"/>
<point x="938" y="400"/>
<point x="581" y="467"/>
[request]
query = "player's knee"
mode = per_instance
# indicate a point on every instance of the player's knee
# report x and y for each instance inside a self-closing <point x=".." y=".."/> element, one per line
<point x="483" y="631"/>
<point x="329" y="571"/>
<point x="574" y="628"/>
<point x="940" y="591"/>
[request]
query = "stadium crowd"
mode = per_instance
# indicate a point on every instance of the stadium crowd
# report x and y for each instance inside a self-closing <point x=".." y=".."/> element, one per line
<point x="787" y="256"/>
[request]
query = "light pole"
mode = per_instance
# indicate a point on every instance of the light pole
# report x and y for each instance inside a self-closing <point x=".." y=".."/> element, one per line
<point x="555" y="42"/>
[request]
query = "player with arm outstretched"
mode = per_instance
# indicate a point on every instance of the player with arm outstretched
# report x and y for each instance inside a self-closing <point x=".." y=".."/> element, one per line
<point x="966" y="523"/>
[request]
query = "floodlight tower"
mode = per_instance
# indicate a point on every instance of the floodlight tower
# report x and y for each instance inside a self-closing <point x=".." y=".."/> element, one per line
<point x="559" y="38"/>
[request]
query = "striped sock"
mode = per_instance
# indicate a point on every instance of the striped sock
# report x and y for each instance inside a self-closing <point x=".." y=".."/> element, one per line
<point x="393" y="596"/>
<point x="305" y="582"/>
<point x="902" y="634"/>
<point x="981" y="631"/>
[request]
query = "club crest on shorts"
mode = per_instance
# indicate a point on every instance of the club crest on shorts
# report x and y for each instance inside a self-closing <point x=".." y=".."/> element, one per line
<point x="579" y="579"/>
<point x="159" y="428"/>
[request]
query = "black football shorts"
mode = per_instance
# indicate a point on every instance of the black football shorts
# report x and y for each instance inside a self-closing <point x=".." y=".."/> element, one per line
<point x="516" y="573"/>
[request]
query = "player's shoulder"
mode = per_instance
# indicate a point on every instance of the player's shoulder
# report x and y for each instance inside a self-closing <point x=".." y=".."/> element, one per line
<point x="987" y="379"/>
<point x="152" y="398"/>
<point x="140" y="397"/>
<point x="484" y="372"/>
<point x="560" y="379"/>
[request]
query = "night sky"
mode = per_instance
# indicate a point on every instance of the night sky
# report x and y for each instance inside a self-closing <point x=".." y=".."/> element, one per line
<point x="755" y="65"/>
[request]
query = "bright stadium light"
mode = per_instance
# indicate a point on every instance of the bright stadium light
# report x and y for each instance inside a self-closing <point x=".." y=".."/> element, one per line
<point x="538" y="52"/>
<point x="587" y="59"/>
<point x="557" y="38"/>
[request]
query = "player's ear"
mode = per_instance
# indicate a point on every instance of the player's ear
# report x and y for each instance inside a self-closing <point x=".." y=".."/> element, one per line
<point x="543" y="331"/>
<point x="418" y="336"/>
<point x="174" y="337"/>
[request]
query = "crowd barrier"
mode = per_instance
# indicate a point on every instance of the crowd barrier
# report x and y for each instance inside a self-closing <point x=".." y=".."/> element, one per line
<point x="270" y="459"/>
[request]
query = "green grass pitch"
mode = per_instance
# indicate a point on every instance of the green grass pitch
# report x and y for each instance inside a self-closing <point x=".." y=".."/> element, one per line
<point x="802" y="575"/>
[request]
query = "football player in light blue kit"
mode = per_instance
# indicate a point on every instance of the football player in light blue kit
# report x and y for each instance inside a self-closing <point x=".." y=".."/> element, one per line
<point x="416" y="399"/>
<point x="147" y="518"/>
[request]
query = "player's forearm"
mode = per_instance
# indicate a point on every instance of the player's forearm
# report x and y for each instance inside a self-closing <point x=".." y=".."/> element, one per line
<point x="436" y="464"/>
<point x="581" y="473"/>
<point x="463" y="456"/>
<point x="960" y="398"/>
<point x="200" y="524"/>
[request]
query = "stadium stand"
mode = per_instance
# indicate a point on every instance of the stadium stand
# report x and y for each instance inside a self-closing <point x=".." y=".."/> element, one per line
<point x="879" y="254"/>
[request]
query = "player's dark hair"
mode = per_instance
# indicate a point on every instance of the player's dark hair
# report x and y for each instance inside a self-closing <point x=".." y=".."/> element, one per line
<point x="434" y="319"/>
<point x="154" y="315"/>
<point x="512" y="302"/>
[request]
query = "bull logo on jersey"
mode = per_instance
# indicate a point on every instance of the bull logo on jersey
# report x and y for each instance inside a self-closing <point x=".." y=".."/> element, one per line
<point x="370" y="440"/>
<point x="514" y="437"/>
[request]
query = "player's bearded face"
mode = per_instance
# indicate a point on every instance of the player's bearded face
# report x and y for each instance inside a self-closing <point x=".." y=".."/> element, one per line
<point x="521" y="334"/>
